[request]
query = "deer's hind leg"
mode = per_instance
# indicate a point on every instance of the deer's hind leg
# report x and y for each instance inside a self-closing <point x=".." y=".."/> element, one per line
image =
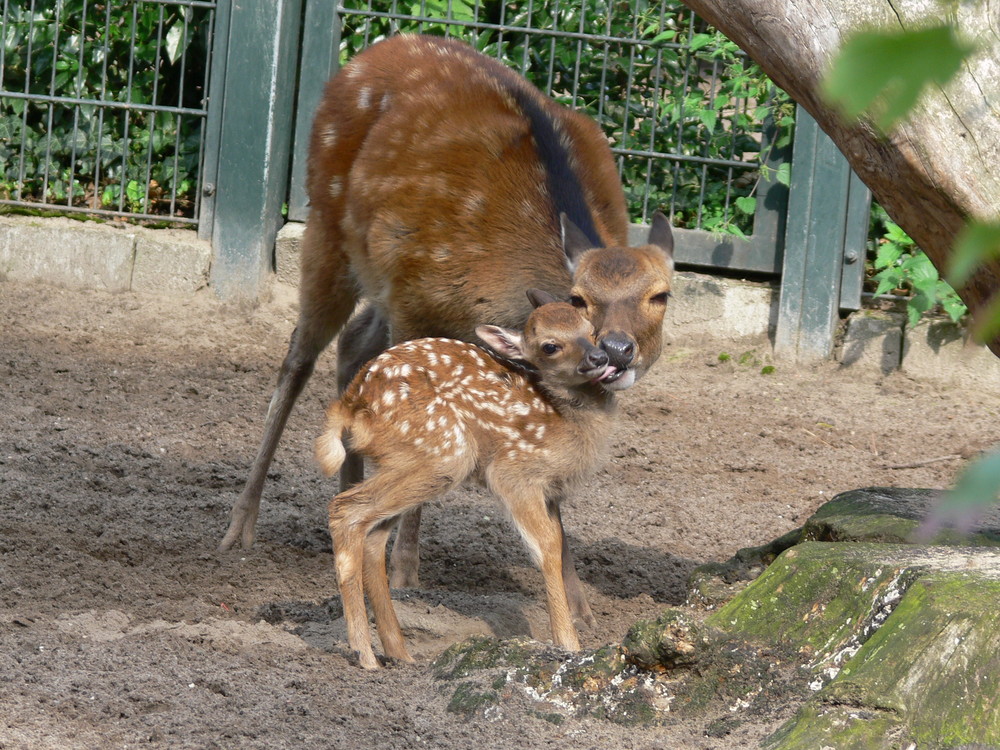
<point x="377" y="588"/>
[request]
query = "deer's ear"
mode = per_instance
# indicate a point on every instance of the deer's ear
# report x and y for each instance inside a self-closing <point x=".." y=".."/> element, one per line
<point x="575" y="243"/>
<point x="504" y="342"/>
<point x="661" y="235"/>
<point x="538" y="297"/>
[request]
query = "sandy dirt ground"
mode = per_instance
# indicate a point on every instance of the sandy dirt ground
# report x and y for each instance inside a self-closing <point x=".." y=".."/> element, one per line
<point x="129" y="422"/>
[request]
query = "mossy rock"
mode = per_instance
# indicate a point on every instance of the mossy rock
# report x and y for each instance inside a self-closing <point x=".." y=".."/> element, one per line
<point x="875" y="514"/>
<point x="664" y="667"/>
<point x="927" y="678"/>
<point x="892" y="515"/>
<point x="901" y="642"/>
<point x="670" y="641"/>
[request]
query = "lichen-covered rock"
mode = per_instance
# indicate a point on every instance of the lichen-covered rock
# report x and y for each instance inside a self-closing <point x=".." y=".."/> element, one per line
<point x="824" y="600"/>
<point x="670" y="641"/>
<point x="879" y="645"/>
<point x="666" y="666"/>
<point x="889" y="515"/>
<point x="927" y="678"/>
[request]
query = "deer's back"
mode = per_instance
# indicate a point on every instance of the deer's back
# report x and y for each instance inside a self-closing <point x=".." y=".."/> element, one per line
<point x="440" y="166"/>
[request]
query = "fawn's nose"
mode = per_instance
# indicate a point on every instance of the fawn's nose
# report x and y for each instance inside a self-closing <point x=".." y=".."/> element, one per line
<point x="594" y="358"/>
<point x="620" y="349"/>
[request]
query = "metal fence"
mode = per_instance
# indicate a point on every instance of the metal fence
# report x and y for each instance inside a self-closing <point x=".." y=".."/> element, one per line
<point x="103" y="106"/>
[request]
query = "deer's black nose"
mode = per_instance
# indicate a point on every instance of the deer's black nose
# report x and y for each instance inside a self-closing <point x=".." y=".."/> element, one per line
<point x="620" y="349"/>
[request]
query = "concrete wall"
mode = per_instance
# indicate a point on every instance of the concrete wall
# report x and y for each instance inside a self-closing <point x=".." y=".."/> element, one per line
<point x="120" y="257"/>
<point x="112" y="256"/>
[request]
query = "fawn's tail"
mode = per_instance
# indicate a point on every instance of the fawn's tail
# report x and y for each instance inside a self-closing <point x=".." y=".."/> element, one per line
<point x="329" y="446"/>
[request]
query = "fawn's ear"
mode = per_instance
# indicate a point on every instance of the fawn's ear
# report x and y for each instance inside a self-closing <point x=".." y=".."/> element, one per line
<point x="538" y="297"/>
<point x="504" y="342"/>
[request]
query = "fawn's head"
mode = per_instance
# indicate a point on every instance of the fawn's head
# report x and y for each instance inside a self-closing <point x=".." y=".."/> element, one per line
<point x="557" y="340"/>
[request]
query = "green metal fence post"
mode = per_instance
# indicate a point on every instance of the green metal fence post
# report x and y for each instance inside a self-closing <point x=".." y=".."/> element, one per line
<point x="819" y="211"/>
<point x="320" y="51"/>
<point x="255" y="133"/>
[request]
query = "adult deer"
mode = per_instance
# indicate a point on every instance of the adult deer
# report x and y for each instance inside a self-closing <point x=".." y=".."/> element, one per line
<point x="442" y="185"/>
<point x="434" y="412"/>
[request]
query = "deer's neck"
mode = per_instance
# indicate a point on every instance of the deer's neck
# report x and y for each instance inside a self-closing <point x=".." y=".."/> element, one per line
<point x="581" y="402"/>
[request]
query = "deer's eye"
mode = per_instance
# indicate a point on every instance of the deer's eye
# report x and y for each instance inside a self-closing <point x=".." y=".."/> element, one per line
<point x="550" y="348"/>
<point x="578" y="301"/>
<point x="660" y="299"/>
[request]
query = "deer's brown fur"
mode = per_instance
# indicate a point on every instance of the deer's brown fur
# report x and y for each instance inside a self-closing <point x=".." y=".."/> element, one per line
<point x="442" y="185"/>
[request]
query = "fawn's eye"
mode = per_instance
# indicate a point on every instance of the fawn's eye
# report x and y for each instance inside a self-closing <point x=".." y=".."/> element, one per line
<point x="660" y="299"/>
<point x="550" y="348"/>
<point x="578" y="301"/>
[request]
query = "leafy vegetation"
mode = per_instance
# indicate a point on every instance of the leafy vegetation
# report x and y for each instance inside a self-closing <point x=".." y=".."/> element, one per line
<point x="107" y="135"/>
<point x="900" y="267"/>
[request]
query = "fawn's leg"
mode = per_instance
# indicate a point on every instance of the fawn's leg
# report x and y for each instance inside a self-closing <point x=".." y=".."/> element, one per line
<point x="574" y="588"/>
<point x="359" y="517"/>
<point x="326" y="298"/>
<point x="377" y="588"/>
<point x="538" y="523"/>
<point x="405" y="557"/>
<point x="364" y="338"/>
<point x="348" y="545"/>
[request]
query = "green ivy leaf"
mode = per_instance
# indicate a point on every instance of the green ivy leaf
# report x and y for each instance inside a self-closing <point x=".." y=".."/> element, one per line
<point x="987" y="322"/>
<point x="977" y="243"/>
<point x="746" y="204"/>
<point x="887" y="255"/>
<point x="699" y="41"/>
<point x="883" y="72"/>
<point x="977" y="488"/>
<point x="784" y="174"/>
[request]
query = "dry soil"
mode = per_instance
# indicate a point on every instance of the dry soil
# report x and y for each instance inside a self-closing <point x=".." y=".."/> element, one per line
<point x="128" y="424"/>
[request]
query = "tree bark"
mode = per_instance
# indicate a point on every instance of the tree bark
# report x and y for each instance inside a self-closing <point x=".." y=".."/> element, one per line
<point x="937" y="169"/>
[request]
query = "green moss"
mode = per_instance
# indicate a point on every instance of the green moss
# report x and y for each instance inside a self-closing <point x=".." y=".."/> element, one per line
<point x="814" y="599"/>
<point x="840" y="727"/>
<point x="927" y="676"/>
<point x="552" y="718"/>
<point x="469" y="699"/>
<point x="479" y="653"/>
<point x="936" y="661"/>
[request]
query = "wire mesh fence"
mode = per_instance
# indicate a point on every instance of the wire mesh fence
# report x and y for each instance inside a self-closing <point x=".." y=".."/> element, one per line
<point x="102" y="106"/>
<point x="687" y="114"/>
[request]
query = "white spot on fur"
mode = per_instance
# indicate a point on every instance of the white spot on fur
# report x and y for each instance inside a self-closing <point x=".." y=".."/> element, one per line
<point x="336" y="187"/>
<point x="364" y="97"/>
<point x="328" y="135"/>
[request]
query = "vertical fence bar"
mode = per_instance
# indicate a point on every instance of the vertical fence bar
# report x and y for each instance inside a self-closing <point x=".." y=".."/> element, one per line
<point x="814" y="245"/>
<point x="255" y="136"/>
<point x="320" y="50"/>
